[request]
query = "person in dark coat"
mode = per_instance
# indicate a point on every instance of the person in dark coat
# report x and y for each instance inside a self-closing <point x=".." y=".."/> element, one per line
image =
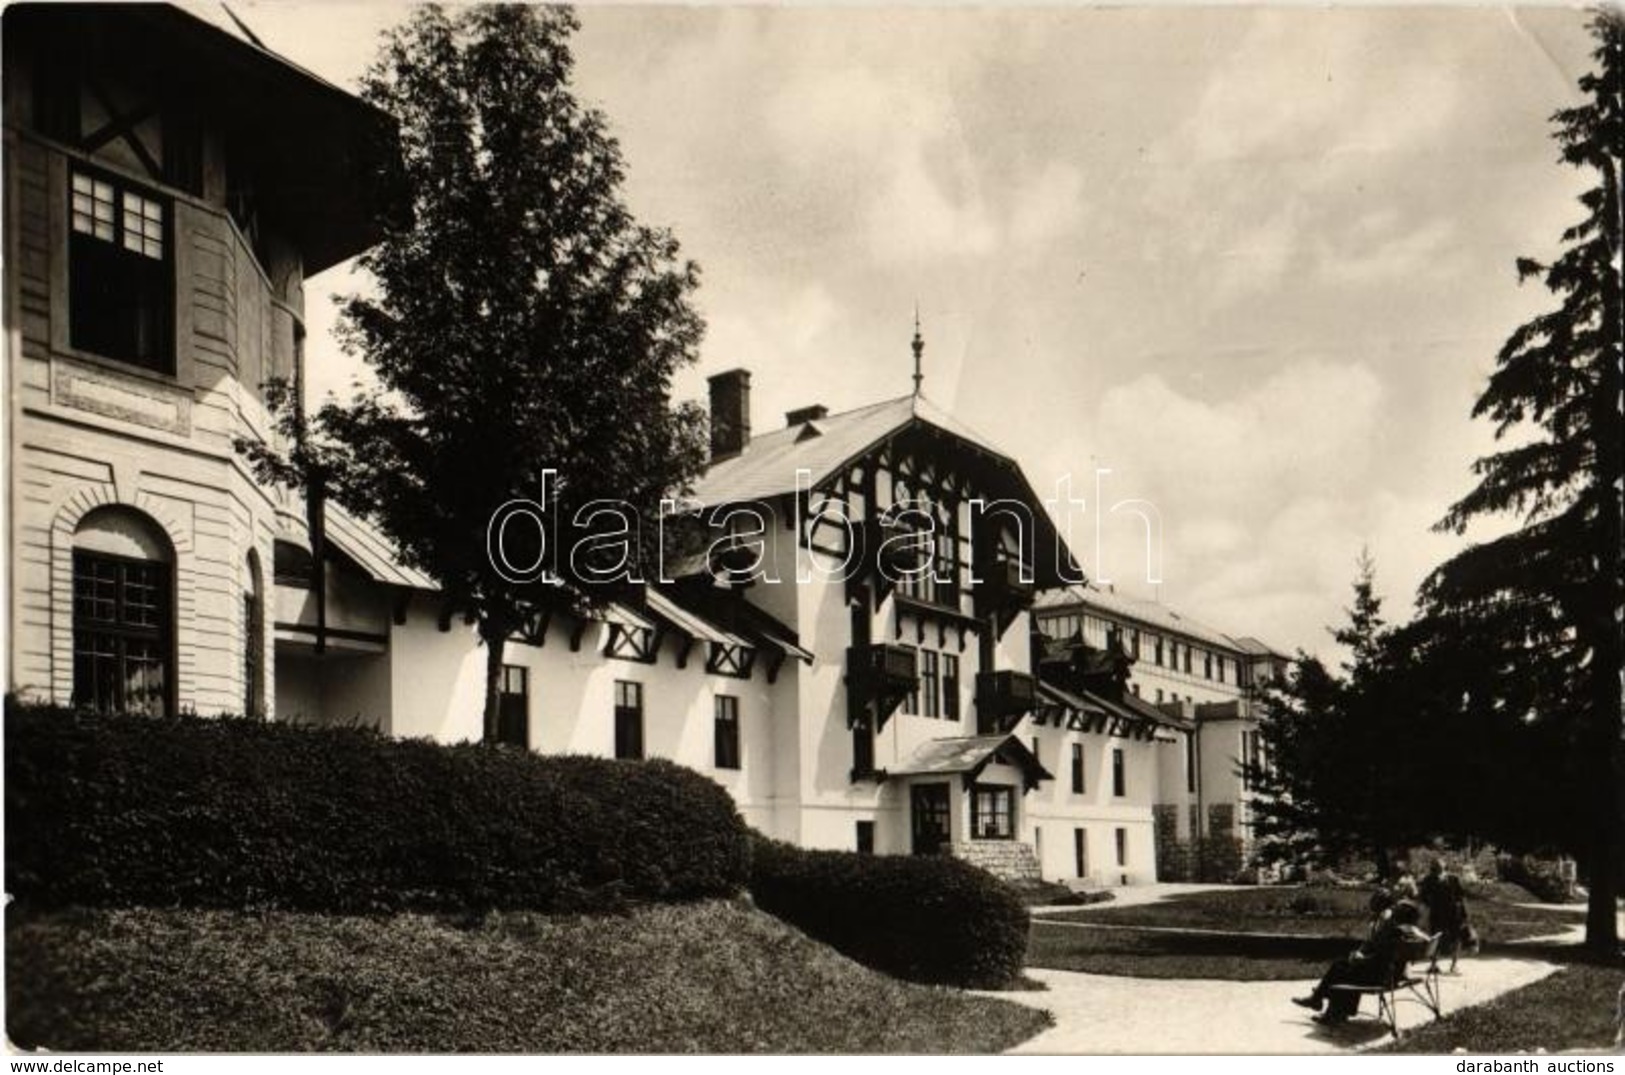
<point x="1373" y="963"/>
<point x="1441" y="893"/>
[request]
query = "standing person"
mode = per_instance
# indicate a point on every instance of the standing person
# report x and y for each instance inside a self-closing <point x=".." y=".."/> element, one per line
<point x="1446" y="902"/>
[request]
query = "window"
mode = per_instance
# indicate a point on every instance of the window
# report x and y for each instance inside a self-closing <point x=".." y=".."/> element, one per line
<point x="727" y="732"/>
<point x="628" y="719"/>
<point x="950" y="686"/>
<point x="863" y="749"/>
<point x="938" y="522"/>
<point x="992" y="812"/>
<point x="1119" y="778"/>
<point x="121" y="634"/>
<point x="119" y="272"/>
<point x="1187" y="660"/>
<point x="1190" y="761"/>
<point x="929" y="677"/>
<point x="1207" y="665"/>
<point x="1156" y="652"/>
<point x="1134" y="643"/>
<point x="1249" y="758"/>
<point x="1159" y="695"/>
<point x="253" y="640"/>
<point x="1221" y="669"/>
<point x="1077" y="768"/>
<point x="513" y="706"/>
<point x="1122" y="847"/>
<point x="866" y="837"/>
<point x="1080" y="851"/>
<point x="911" y="704"/>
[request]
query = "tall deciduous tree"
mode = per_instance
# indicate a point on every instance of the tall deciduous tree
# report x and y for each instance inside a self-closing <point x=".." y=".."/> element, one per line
<point x="1550" y="596"/>
<point x="522" y="321"/>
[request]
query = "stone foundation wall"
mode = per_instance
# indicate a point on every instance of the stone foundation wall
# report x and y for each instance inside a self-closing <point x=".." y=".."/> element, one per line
<point x="1009" y="859"/>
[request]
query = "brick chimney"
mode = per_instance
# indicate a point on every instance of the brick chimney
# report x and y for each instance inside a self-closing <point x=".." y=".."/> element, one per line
<point x="730" y="413"/>
<point x="805" y="414"/>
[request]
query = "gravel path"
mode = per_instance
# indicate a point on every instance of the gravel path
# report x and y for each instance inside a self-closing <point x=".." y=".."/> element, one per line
<point x="1097" y="1013"/>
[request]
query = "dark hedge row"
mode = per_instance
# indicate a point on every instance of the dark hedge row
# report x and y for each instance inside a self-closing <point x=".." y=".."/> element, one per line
<point x="135" y="811"/>
<point x="929" y="919"/>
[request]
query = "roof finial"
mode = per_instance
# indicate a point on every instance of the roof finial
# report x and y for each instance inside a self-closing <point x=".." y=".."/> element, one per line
<point x="919" y="349"/>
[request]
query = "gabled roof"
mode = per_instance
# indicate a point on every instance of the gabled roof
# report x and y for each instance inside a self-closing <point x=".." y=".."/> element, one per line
<point x="970" y="755"/>
<point x="823" y="447"/>
<point x="1253" y="647"/>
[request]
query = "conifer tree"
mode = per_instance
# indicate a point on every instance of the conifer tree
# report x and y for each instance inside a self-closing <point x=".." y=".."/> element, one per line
<point x="1549" y="598"/>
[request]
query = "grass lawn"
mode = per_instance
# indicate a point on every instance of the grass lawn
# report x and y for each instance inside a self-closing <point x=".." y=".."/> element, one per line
<point x="706" y="977"/>
<point x="1572" y="1009"/>
<point x="1324" y="912"/>
<point x="1137" y="954"/>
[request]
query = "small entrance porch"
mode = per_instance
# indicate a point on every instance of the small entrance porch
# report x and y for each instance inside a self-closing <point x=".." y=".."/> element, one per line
<point x="964" y="799"/>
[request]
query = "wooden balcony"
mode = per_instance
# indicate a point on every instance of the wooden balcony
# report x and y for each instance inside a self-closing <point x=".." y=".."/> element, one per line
<point x="878" y="678"/>
<point x="1002" y="698"/>
<point x="1001" y="589"/>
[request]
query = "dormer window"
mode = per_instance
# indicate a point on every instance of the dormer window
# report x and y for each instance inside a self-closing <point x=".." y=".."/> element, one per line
<point x="119" y="271"/>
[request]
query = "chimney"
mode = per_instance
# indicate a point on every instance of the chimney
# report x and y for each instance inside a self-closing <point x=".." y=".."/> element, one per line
<point x="805" y="414"/>
<point x="730" y="413"/>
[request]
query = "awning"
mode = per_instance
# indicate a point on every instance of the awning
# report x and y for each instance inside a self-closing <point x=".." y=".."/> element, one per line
<point x="370" y="550"/>
<point x="1086" y="711"/>
<point x="968" y="756"/>
<point x="727" y="619"/>
<point x="690" y="623"/>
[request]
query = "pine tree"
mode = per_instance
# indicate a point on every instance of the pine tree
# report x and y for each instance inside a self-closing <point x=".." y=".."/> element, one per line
<point x="1551" y="595"/>
<point x="1339" y="777"/>
<point x="522" y="321"/>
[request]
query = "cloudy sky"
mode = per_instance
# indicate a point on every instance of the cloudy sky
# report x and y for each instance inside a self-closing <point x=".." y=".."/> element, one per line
<point x="1255" y="262"/>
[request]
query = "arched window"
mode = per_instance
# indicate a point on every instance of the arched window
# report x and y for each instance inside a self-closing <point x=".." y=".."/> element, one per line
<point x="123" y="614"/>
<point x="253" y="638"/>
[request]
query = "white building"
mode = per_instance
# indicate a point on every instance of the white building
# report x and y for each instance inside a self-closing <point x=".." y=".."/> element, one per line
<point x="160" y="217"/>
<point x="1206" y="677"/>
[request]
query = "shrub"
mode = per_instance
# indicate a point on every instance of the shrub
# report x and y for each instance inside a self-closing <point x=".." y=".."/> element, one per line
<point x="1540" y="877"/>
<point x="137" y="811"/>
<point x="929" y="919"/>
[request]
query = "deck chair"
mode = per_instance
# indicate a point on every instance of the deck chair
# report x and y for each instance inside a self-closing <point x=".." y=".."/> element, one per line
<point x="1422" y="985"/>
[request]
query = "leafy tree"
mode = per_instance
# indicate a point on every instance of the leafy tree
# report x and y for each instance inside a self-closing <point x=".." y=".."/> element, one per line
<point x="522" y="321"/>
<point x="1547" y="599"/>
<point x="1339" y="775"/>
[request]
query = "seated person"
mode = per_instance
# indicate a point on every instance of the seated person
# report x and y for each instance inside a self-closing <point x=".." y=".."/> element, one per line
<point x="1373" y="963"/>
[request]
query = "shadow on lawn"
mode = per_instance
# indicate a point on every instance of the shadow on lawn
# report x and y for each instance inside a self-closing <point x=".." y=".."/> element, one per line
<point x="1149" y="954"/>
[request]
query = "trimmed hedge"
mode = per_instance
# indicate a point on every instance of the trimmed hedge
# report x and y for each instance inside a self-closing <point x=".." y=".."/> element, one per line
<point x="138" y="811"/>
<point x="930" y="919"/>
